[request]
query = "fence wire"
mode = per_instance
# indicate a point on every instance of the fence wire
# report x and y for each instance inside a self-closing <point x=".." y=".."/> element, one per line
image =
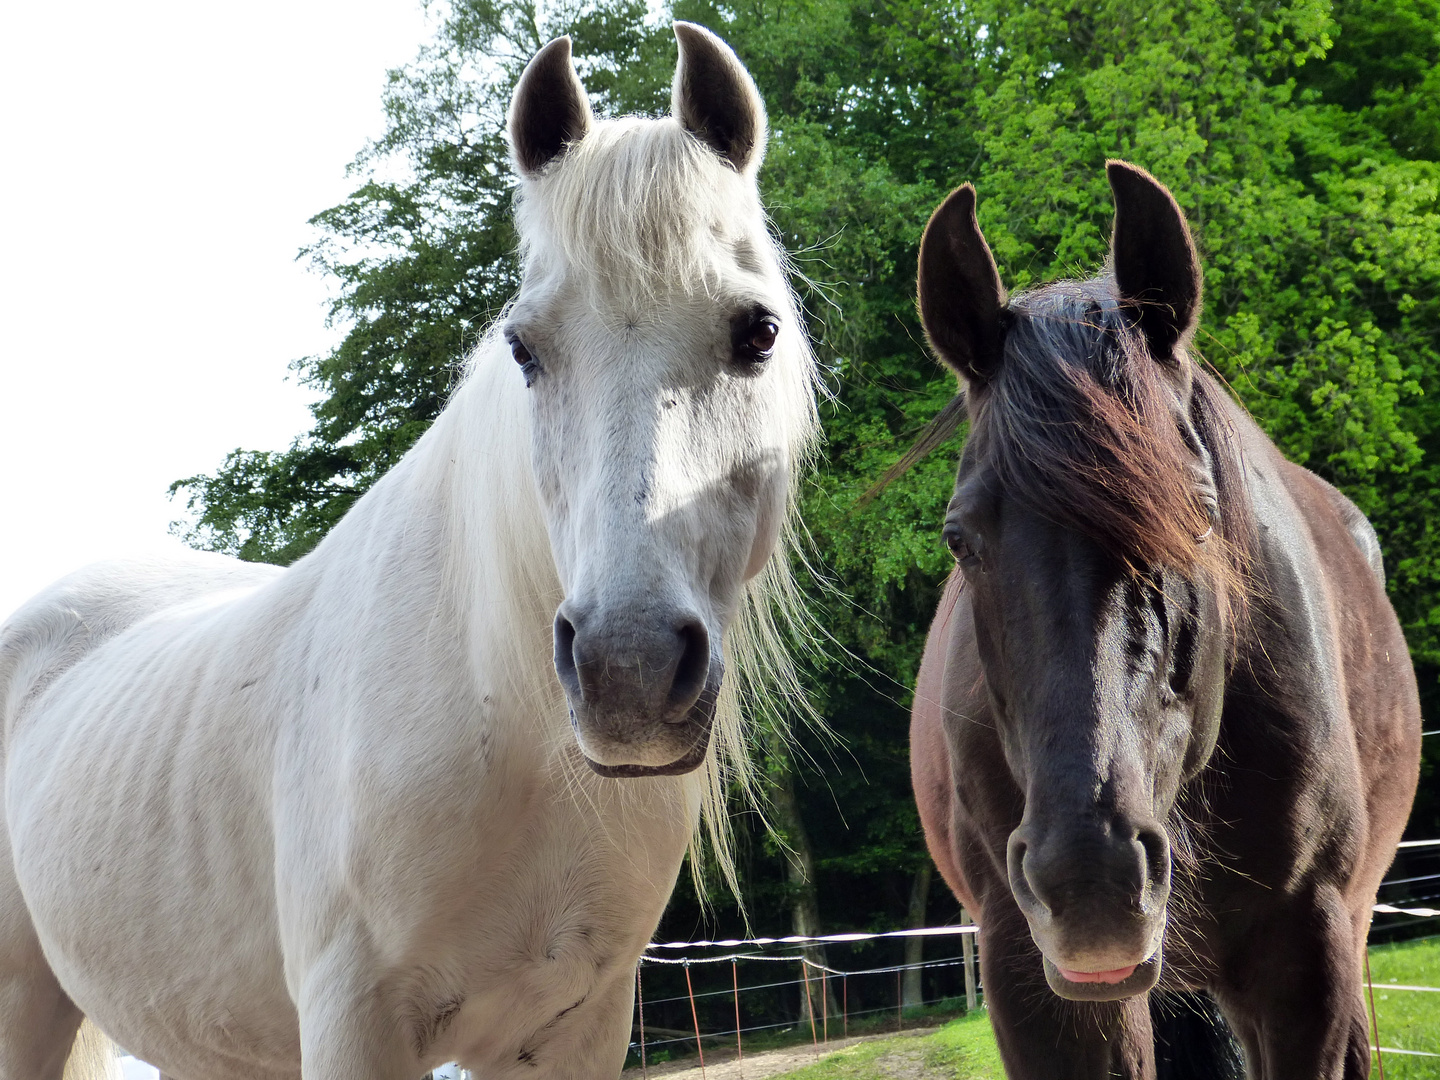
<point x="822" y="995"/>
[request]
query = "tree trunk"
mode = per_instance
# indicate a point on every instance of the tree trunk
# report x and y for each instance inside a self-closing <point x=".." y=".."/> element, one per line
<point x="804" y="899"/>
<point x="913" y="996"/>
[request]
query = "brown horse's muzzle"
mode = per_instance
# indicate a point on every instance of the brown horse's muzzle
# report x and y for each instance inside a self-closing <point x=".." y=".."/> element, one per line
<point x="1094" y="893"/>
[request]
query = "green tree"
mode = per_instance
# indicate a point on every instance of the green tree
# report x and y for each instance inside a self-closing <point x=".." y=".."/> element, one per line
<point x="1303" y="140"/>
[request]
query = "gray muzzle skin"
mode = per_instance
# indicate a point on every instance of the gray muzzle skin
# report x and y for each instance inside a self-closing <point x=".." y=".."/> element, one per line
<point x="642" y="689"/>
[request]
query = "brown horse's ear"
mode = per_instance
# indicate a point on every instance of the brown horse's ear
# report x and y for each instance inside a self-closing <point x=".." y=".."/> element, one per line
<point x="549" y="110"/>
<point x="961" y="298"/>
<point x="715" y="98"/>
<point x="1156" y="266"/>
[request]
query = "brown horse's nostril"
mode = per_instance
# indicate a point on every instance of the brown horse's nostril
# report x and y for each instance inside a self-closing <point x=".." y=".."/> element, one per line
<point x="1020" y="884"/>
<point x="1072" y="868"/>
<point x="1157" y="866"/>
<point x="693" y="667"/>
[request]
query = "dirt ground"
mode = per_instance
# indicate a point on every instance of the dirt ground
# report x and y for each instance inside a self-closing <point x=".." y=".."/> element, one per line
<point x="721" y="1064"/>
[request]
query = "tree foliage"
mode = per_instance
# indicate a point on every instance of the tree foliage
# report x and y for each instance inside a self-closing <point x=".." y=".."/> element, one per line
<point x="1301" y="138"/>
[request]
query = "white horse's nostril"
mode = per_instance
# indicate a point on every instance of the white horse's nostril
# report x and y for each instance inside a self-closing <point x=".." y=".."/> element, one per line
<point x="631" y="666"/>
<point x="693" y="667"/>
<point x="565" y="657"/>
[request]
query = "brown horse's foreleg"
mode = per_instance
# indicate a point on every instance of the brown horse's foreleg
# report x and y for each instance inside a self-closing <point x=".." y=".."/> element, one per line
<point x="1357" y="1052"/>
<point x="1291" y="989"/>
<point x="1044" y="1037"/>
<point x="1357" y="1055"/>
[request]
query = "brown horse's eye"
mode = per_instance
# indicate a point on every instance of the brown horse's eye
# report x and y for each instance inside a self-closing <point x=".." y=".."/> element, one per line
<point x="959" y="546"/>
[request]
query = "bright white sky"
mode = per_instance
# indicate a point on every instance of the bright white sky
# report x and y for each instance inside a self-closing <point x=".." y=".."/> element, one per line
<point x="158" y="162"/>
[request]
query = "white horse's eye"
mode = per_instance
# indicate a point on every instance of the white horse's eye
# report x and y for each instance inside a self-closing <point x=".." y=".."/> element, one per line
<point x="528" y="365"/>
<point x="762" y="337"/>
<point x="756" y="341"/>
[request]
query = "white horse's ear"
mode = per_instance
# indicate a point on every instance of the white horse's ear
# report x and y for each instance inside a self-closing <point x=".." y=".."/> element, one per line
<point x="549" y="111"/>
<point x="715" y="98"/>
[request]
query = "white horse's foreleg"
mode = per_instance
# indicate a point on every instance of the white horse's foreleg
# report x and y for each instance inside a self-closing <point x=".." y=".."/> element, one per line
<point x="92" y="1056"/>
<point x="349" y="1027"/>
<point x="351" y="1038"/>
<point x="37" y="1021"/>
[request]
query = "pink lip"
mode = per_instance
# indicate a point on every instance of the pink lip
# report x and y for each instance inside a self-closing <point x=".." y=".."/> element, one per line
<point x="1115" y="976"/>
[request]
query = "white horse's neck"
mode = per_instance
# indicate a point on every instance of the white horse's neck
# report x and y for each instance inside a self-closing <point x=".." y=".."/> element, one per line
<point x="456" y="548"/>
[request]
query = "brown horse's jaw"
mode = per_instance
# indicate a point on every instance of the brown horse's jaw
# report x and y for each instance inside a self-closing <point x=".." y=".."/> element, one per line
<point x="1141" y="979"/>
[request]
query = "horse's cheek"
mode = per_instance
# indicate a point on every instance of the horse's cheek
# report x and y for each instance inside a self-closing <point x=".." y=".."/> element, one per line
<point x="1204" y="733"/>
<point x="1209" y="704"/>
<point x="770" y="513"/>
<point x="554" y="460"/>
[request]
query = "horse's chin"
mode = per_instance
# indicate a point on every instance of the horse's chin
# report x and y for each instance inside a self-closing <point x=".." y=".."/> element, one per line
<point x="1143" y="978"/>
<point x="700" y="720"/>
<point x="696" y="724"/>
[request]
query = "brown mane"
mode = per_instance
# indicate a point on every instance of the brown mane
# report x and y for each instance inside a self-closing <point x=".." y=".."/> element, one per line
<point x="1077" y="424"/>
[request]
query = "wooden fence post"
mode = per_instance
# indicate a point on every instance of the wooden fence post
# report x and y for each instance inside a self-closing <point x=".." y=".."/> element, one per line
<point x="967" y="946"/>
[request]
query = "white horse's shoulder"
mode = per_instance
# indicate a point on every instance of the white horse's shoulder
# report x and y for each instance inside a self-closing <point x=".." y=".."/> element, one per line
<point x="62" y="624"/>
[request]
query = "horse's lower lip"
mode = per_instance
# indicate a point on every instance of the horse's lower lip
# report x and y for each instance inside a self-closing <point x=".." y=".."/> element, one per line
<point x="1115" y="976"/>
<point x="1117" y="983"/>
<point x="687" y="762"/>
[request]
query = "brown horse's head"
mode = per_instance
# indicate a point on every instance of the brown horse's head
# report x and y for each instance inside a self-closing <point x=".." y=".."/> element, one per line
<point x="1095" y="521"/>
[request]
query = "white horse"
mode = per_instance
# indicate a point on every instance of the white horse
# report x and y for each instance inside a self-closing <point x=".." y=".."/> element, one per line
<point x="337" y="821"/>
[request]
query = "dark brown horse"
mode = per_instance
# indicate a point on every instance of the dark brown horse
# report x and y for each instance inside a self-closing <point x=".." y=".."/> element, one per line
<point x="1166" y="732"/>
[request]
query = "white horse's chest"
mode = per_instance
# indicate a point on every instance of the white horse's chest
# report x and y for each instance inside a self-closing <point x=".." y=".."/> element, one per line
<point x="494" y="896"/>
<point x="524" y="963"/>
<point x="554" y="969"/>
<point x="541" y="884"/>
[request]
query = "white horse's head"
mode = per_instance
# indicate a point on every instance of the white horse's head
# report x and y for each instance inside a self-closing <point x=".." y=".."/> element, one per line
<point x="670" y="388"/>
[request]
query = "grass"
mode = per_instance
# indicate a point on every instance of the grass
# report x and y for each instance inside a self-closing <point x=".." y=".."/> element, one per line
<point x="876" y="1023"/>
<point x="1408" y="1019"/>
<point x="964" y="1048"/>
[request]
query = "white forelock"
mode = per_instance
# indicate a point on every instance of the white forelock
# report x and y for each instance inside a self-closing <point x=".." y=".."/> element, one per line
<point x="640" y="205"/>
